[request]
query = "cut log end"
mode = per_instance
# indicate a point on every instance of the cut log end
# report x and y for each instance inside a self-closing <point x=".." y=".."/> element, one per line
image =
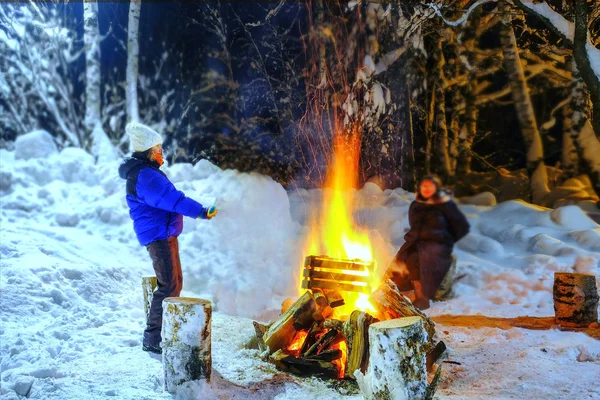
<point x="575" y="299"/>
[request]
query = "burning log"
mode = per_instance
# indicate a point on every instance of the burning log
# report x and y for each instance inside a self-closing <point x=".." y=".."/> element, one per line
<point x="397" y="360"/>
<point x="324" y="310"/>
<point x="327" y="273"/>
<point x="333" y="324"/>
<point x="311" y="337"/>
<point x="322" y="343"/>
<point x="304" y="366"/>
<point x="356" y="331"/>
<point x="186" y="343"/>
<point x="327" y="355"/>
<point x="298" y="317"/>
<point x="334" y="298"/>
<point x="390" y="304"/>
<point x="148" y="286"/>
<point x="575" y="299"/>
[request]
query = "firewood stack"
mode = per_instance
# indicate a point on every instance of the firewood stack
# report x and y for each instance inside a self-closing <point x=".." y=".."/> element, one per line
<point x="306" y="340"/>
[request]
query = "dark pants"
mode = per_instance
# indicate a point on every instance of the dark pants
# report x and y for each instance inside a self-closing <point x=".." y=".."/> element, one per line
<point x="167" y="267"/>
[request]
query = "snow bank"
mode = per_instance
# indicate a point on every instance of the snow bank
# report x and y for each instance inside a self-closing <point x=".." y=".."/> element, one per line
<point x="36" y="144"/>
<point x="70" y="270"/>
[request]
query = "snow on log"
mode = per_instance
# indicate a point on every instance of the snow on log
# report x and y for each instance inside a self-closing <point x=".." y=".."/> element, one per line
<point x="186" y="343"/>
<point x="390" y="304"/>
<point x="297" y="317"/>
<point x="396" y="367"/>
<point x="356" y="332"/>
<point x="148" y="286"/>
<point x="575" y="299"/>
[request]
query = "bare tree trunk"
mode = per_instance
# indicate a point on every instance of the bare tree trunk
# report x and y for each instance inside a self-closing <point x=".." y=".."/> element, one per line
<point x="580" y="54"/>
<point x="133" y="51"/>
<point x="589" y="159"/>
<point x="467" y="136"/>
<point x="440" y="112"/>
<point x="429" y="124"/>
<point x="569" y="158"/>
<point x="520" y="93"/>
<point x="91" y="40"/>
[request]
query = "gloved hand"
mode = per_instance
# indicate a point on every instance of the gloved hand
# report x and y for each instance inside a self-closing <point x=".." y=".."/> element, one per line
<point x="208" y="213"/>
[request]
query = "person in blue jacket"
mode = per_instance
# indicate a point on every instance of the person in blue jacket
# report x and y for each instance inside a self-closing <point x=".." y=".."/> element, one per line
<point x="157" y="209"/>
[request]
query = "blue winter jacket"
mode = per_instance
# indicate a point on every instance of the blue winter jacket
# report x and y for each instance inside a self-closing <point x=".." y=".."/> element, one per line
<point x="155" y="206"/>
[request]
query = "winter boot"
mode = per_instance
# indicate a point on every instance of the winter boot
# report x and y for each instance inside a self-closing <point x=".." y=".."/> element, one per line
<point x="421" y="301"/>
<point x="153" y="348"/>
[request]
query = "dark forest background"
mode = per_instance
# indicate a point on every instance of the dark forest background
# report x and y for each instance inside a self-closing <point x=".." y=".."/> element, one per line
<point x="260" y="86"/>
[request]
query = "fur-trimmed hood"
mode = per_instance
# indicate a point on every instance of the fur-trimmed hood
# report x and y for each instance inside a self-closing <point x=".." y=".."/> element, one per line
<point x="441" y="196"/>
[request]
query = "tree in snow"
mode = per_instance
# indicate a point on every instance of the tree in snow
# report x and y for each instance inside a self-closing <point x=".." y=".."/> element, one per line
<point x="133" y="51"/>
<point x="38" y="63"/>
<point x="520" y="93"/>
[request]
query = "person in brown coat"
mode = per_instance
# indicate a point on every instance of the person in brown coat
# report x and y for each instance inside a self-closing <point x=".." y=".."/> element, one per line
<point x="436" y="224"/>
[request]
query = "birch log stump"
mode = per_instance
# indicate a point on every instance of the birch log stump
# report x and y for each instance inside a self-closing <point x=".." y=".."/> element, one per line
<point x="575" y="299"/>
<point x="148" y="286"/>
<point x="396" y="367"/>
<point x="186" y="341"/>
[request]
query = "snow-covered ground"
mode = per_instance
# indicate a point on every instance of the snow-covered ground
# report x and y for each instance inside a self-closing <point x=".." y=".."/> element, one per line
<point x="71" y="301"/>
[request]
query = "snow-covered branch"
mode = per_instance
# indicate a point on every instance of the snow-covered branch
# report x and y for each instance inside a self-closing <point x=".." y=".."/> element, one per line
<point x="460" y="21"/>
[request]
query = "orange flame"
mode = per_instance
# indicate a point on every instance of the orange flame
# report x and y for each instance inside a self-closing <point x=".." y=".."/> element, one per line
<point x="297" y="343"/>
<point x="340" y="363"/>
<point x="337" y="234"/>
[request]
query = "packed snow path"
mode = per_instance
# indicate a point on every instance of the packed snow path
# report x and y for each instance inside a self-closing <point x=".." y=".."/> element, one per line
<point x="72" y="314"/>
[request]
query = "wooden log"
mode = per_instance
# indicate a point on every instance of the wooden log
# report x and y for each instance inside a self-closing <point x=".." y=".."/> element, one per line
<point x="435" y="354"/>
<point x="320" y="298"/>
<point x="186" y="341"/>
<point x="259" y="330"/>
<point x="311" y="337"/>
<point x="296" y="318"/>
<point x="322" y="313"/>
<point x="322" y="343"/>
<point x="333" y="324"/>
<point x="305" y="366"/>
<point x="575" y="299"/>
<point x="287" y="303"/>
<point x="334" y="298"/>
<point x="327" y="355"/>
<point x="149" y="284"/>
<point x="332" y="263"/>
<point x="345" y="287"/>
<point x="396" y="367"/>
<point x="335" y="276"/>
<point x="390" y="304"/>
<point x="444" y="292"/>
<point x="356" y="331"/>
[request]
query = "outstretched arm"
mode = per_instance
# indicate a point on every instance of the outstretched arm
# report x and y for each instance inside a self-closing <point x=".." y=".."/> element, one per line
<point x="157" y="191"/>
<point x="458" y="222"/>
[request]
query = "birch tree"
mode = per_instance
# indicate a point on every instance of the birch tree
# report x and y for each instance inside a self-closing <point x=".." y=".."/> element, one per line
<point x="91" y="40"/>
<point x="576" y="36"/>
<point x="38" y="52"/>
<point x="536" y="168"/>
<point x="133" y="51"/>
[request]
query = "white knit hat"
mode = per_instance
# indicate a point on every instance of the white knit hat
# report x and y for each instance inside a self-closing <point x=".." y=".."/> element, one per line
<point x="142" y="137"/>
